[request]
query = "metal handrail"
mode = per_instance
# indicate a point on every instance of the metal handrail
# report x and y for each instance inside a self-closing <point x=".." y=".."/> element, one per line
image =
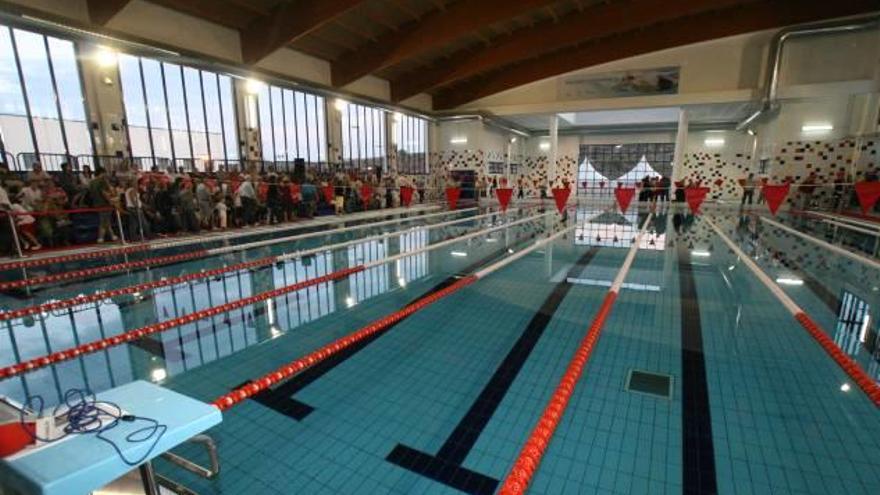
<point x="197" y="469"/>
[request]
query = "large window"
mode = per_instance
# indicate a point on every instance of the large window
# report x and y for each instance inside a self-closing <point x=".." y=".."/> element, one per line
<point x="363" y="137"/>
<point x="178" y="115"/>
<point x="42" y="113"/>
<point x="603" y="166"/>
<point x="292" y="125"/>
<point x="411" y="139"/>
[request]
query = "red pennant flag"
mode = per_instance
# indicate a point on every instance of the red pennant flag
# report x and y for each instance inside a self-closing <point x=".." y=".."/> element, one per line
<point x="624" y="197"/>
<point x="452" y="195"/>
<point x="406" y="195"/>
<point x="775" y="194"/>
<point x="868" y="194"/>
<point x="561" y="197"/>
<point x="505" y="193"/>
<point x="366" y="193"/>
<point x="695" y="197"/>
<point x="328" y="193"/>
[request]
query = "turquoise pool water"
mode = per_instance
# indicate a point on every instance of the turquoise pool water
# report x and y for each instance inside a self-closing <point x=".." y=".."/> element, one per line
<point x="443" y="401"/>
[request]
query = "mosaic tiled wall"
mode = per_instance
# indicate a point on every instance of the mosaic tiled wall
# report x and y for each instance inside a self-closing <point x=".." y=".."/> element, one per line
<point x="720" y="170"/>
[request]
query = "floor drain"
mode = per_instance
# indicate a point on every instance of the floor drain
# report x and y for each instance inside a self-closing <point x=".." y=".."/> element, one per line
<point x="644" y="382"/>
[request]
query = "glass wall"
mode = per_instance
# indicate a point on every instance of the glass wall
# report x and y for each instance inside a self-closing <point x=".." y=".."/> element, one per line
<point x="411" y="140"/>
<point x="178" y="115"/>
<point x="42" y="110"/>
<point x="363" y="137"/>
<point x="292" y="125"/>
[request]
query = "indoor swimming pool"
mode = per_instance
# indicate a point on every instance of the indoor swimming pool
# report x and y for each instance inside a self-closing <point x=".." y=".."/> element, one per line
<point x="701" y="381"/>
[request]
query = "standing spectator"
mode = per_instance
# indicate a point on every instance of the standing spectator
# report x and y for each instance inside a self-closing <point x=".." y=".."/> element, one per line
<point x="67" y="180"/>
<point x="85" y="177"/>
<point x="273" y="200"/>
<point x="206" y="204"/>
<point x="101" y="196"/>
<point x="138" y="228"/>
<point x="248" y="196"/>
<point x="808" y="186"/>
<point x="748" y="185"/>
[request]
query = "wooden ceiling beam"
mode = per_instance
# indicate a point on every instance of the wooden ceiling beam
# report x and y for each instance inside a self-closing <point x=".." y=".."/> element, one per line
<point x="679" y="32"/>
<point x="287" y="22"/>
<point x="435" y="29"/>
<point x="593" y="22"/>
<point x="101" y="11"/>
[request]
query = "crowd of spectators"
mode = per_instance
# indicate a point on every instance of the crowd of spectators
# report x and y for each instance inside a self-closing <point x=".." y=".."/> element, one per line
<point x="87" y="206"/>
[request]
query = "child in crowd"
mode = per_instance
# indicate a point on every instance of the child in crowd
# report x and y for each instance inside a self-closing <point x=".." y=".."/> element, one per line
<point x="26" y="224"/>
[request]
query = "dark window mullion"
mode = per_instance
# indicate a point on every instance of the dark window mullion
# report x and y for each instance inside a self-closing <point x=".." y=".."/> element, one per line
<point x="147" y="110"/>
<point x="24" y="92"/>
<point x="189" y="136"/>
<point x="57" y="98"/>
<point x="205" y="117"/>
<point x="168" y="114"/>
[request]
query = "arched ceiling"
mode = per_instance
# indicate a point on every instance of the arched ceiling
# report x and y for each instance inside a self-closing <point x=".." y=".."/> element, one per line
<point x="462" y="50"/>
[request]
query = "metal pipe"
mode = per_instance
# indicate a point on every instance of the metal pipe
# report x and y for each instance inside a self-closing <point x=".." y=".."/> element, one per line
<point x="774" y="59"/>
<point x="210" y="447"/>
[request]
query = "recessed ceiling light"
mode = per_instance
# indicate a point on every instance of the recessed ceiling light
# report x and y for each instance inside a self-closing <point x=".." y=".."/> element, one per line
<point x="817" y="127"/>
<point x="458" y="140"/>
<point x="714" y="142"/>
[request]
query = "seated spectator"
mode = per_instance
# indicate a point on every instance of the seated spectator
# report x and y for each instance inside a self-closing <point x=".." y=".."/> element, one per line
<point x="38" y="174"/>
<point x="25" y="224"/>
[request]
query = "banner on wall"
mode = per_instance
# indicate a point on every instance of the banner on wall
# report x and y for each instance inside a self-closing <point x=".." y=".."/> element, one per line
<point x="642" y="82"/>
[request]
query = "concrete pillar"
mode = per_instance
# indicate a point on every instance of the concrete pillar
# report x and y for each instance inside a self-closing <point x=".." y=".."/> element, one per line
<point x="554" y="150"/>
<point x="681" y="139"/>
<point x="334" y="110"/>
<point x="103" y="94"/>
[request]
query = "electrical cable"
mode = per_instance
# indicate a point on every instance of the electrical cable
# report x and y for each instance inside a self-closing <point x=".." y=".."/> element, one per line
<point x="85" y="414"/>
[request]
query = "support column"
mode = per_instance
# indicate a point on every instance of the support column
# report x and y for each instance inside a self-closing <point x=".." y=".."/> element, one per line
<point x="554" y="150"/>
<point x="334" y="110"/>
<point x="680" y="145"/>
<point x="103" y="93"/>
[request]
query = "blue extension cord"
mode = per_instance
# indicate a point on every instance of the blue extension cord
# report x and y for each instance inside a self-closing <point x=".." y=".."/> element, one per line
<point x="85" y="414"/>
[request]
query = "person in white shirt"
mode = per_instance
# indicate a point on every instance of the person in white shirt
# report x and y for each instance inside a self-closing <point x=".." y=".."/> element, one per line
<point x="27" y="227"/>
<point x="248" y="196"/>
<point x="138" y="227"/>
<point x="31" y="197"/>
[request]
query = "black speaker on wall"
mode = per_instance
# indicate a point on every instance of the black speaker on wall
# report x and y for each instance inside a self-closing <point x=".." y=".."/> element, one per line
<point x="299" y="169"/>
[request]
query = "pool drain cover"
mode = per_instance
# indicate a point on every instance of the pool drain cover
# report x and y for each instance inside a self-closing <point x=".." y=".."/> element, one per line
<point x="645" y="382"/>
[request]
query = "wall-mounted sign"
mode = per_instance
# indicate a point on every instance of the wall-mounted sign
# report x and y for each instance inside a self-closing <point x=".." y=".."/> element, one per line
<point x="642" y="82"/>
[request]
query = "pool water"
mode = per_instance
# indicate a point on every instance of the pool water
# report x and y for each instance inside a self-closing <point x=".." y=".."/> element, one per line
<point x="443" y="401"/>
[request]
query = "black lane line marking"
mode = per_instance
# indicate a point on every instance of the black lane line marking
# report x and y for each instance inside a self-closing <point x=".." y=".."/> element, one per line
<point x="445" y="467"/>
<point x="280" y="398"/>
<point x="698" y="456"/>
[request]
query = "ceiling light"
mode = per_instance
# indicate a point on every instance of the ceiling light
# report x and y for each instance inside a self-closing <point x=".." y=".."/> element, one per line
<point x="253" y="86"/>
<point x="714" y="142"/>
<point x="701" y="254"/>
<point x="751" y="131"/>
<point x="458" y="140"/>
<point x="817" y="127"/>
<point x="544" y="145"/>
<point x="106" y="57"/>
<point x="617" y="147"/>
<point x="340" y="104"/>
<point x="460" y="254"/>
<point x="789" y="281"/>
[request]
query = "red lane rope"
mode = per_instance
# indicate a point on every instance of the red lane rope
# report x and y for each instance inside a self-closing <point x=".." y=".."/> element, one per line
<point x="138" y="333"/>
<point x="40" y="213"/>
<point x="862" y="379"/>
<point x="529" y="458"/>
<point x="14" y="265"/>
<point x="256" y="386"/>
<point x="87" y="272"/>
<point x="107" y="294"/>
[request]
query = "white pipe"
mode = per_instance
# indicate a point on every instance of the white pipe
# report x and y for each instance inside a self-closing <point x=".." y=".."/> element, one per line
<point x="827" y="245"/>
<point x="299" y="237"/>
<point x="851" y="227"/>
<point x="845" y="219"/>
<point x="630" y="257"/>
<point x="786" y="301"/>
<point x="454" y="240"/>
<point x="333" y="247"/>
